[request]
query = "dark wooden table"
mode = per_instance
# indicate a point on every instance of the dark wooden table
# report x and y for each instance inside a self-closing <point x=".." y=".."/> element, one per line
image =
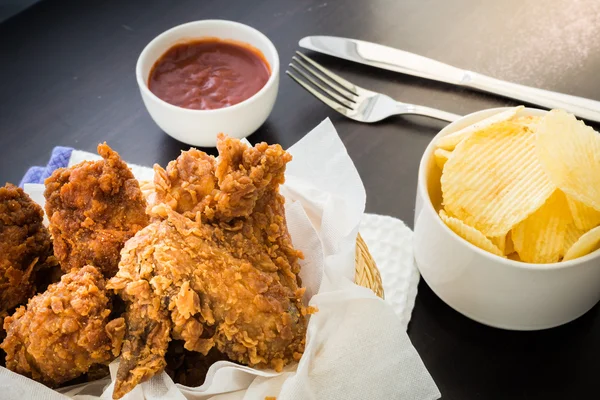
<point x="67" y="78"/>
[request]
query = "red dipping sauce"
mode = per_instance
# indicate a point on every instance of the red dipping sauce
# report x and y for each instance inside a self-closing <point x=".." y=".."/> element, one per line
<point x="208" y="73"/>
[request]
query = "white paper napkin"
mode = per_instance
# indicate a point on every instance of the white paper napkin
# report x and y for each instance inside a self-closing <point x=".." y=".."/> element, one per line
<point x="357" y="347"/>
<point x="390" y="243"/>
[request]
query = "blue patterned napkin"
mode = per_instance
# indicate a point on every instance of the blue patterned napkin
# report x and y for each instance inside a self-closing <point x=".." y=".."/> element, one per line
<point x="59" y="159"/>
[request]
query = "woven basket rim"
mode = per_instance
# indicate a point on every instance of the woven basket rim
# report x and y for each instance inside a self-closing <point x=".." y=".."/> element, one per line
<point x="366" y="271"/>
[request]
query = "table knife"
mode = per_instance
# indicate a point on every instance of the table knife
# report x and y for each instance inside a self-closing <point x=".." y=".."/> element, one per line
<point x="385" y="57"/>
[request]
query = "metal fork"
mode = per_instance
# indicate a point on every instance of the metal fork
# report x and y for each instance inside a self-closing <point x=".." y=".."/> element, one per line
<point x="353" y="101"/>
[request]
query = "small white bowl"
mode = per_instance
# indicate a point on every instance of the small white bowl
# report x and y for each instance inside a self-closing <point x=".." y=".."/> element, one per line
<point x="490" y="289"/>
<point x="200" y="127"/>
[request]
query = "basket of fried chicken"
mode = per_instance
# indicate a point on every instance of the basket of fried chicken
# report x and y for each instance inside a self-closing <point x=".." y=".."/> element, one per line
<point x="221" y="275"/>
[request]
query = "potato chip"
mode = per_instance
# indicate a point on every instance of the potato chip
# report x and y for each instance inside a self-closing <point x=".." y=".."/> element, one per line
<point x="494" y="180"/>
<point x="450" y="141"/>
<point x="510" y="246"/>
<point x="514" y="256"/>
<point x="528" y="121"/>
<point x="572" y="234"/>
<point x="499" y="242"/>
<point x="541" y="237"/>
<point x="569" y="152"/>
<point x="470" y="234"/>
<point x="504" y="243"/>
<point x="584" y="217"/>
<point x="588" y="243"/>
<point x="441" y="156"/>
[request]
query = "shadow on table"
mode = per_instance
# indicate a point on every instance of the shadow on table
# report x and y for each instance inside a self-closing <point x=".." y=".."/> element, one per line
<point x="500" y="363"/>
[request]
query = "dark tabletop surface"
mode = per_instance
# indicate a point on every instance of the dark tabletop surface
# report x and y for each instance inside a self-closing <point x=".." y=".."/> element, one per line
<point x="67" y="78"/>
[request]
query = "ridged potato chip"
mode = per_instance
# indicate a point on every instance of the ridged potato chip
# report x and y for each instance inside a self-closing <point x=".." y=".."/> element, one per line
<point x="540" y="238"/>
<point x="449" y="142"/>
<point x="494" y="180"/>
<point x="499" y="242"/>
<point x="528" y="120"/>
<point x="572" y="234"/>
<point x="441" y="156"/>
<point x="510" y="246"/>
<point x="589" y="242"/>
<point x="569" y="152"/>
<point x="584" y="217"/>
<point x="470" y="234"/>
<point x="504" y="243"/>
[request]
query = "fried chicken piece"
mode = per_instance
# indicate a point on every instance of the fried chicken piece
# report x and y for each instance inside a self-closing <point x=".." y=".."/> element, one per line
<point x="226" y="279"/>
<point x="25" y="246"/>
<point x="195" y="184"/>
<point x="187" y="185"/>
<point x="249" y="179"/>
<point x="210" y="287"/>
<point x="93" y="208"/>
<point x="148" y="330"/>
<point x="63" y="331"/>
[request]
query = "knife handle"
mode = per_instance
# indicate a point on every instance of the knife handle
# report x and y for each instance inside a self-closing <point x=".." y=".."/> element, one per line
<point x="583" y="108"/>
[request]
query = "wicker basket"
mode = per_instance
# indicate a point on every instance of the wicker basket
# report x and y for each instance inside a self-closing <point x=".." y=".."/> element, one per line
<point x="367" y="274"/>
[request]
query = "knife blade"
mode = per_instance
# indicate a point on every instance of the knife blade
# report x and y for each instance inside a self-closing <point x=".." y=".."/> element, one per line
<point x="377" y="55"/>
<point x="389" y="58"/>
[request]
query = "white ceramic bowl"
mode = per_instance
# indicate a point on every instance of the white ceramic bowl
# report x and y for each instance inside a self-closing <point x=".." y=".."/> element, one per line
<point x="200" y="127"/>
<point x="492" y="290"/>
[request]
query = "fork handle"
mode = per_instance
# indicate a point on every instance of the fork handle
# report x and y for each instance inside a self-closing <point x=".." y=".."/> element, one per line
<point x="403" y="108"/>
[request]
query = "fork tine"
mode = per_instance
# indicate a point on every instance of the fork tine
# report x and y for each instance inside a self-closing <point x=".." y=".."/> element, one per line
<point x="320" y="77"/>
<point x="336" y="78"/>
<point x="340" y="99"/>
<point x="336" y="106"/>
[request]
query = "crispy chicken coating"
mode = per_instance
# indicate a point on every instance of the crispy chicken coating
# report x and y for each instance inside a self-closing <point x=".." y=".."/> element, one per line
<point x="195" y="185"/>
<point x="216" y="269"/>
<point x="63" y="331"/>
<point x="93" y="208"/>
<point x="187" y="185"/>
<point x="25" y="246"/>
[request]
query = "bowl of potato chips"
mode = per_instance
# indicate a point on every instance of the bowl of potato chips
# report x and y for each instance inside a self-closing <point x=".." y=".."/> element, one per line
<point x="507" y="218"/>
